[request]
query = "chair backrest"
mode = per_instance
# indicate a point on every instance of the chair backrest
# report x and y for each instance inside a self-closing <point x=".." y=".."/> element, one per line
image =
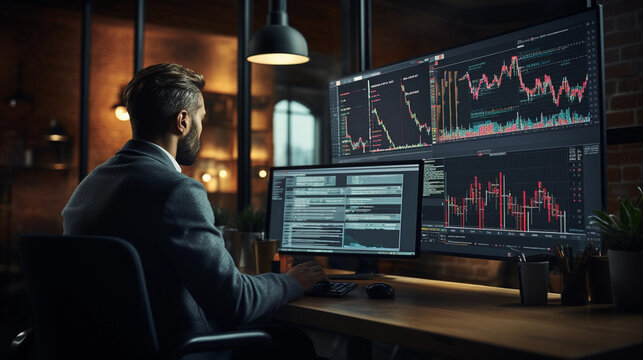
<point x="88" y="297"/>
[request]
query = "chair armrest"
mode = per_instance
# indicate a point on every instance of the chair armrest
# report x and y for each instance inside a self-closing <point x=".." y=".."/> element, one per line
<point x="21" y="344"/>
<point x="227" y="340"/>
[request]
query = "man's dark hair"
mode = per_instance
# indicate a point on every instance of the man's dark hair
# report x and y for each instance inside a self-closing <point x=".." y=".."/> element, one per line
<point x="156" y="95"/>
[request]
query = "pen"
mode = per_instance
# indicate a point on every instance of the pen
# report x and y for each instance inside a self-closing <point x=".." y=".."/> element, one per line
<point x="561" y="258"/>
<point x="586" y="255"/>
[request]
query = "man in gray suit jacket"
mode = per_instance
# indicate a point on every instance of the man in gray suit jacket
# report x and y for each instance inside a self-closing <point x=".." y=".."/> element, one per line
<point x="141" y="196"/>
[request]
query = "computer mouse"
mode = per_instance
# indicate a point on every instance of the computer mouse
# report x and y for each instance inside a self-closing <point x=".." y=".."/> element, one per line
<point x="380" y="291"/>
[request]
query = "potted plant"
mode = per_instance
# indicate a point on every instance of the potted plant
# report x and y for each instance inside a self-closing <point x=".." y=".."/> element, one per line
<point x="221" y="218"/>
<point x="250" y="220"/>
<point x="622" y="235"/>
<point x="248" y="226"/>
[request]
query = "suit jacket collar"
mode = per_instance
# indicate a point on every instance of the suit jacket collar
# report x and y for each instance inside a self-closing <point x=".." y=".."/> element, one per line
<point x="140" y="147"/>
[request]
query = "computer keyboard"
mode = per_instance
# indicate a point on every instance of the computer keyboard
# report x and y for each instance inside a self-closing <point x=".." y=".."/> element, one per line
<point x="331" y="289"/>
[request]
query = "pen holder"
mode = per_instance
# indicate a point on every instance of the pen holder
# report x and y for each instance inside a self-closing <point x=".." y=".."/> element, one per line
<point x="574" y="291"/>
<point x="533" y="278"/>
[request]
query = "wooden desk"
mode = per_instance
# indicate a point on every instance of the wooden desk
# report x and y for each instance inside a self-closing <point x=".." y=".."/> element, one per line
<point x="472" y="321"/>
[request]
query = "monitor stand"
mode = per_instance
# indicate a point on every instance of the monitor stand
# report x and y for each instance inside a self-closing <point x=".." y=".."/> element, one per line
<point x="366" y="269"/>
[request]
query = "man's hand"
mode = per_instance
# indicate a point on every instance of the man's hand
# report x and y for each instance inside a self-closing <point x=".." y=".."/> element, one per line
<point x="307" y="274"/>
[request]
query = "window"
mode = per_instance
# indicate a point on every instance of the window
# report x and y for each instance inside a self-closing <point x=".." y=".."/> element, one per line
<point x="295" y="134"/>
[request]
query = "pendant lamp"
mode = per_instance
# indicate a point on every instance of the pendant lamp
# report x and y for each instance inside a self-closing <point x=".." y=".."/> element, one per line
<point x="277" y="43"/>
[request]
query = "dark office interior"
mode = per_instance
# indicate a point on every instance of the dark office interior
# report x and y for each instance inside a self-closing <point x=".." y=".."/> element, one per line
<point x="41" y="44"/>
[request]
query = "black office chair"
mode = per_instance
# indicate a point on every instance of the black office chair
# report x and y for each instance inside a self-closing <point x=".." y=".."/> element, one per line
<point x="89" y="300"/>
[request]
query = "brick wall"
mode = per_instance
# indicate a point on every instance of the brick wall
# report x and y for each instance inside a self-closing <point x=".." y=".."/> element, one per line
<point x="623" y="27"/>
<point x="47" y="43"/>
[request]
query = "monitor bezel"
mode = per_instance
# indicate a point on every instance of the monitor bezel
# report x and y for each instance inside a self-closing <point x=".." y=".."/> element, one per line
<point x="597" y="11"/>
<point x="418" y="219"/>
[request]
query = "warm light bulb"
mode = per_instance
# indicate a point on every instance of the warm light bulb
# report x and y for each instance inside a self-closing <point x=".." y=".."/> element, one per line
<point x="56" y="137"/>
<point x="121" y="113"/>
<point x="278" y="59"/>
<point x="263" y="173"/>
<point x="223" y="173"/>
<point x="206" y="177"/>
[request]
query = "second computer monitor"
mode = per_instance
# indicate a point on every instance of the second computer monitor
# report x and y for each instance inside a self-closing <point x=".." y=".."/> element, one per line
<point x="359" y="209"/>
<point x="511" y="129"/>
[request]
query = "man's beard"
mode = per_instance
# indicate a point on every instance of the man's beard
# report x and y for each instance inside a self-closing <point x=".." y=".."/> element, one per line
<point x="188" y="148"/>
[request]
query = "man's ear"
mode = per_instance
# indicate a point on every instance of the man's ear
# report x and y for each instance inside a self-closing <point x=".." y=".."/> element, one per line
<point x="181" y="123"/>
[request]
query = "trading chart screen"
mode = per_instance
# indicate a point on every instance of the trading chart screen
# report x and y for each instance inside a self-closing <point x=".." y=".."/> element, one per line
<point x="510" y="128"/>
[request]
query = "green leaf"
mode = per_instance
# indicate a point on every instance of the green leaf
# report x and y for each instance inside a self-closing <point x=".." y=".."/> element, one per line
<point x="601" y="214"/>
<point x="615" y="220"/>
<point x="625" y="230"/>
<point x="636" y="221"/>
<point x="250" y="220"/>
<point x="624" y="212"/>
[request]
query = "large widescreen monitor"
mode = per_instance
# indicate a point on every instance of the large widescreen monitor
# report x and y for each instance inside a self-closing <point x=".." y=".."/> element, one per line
<point x="350" y="209"/>
<point x="510" y="129"/>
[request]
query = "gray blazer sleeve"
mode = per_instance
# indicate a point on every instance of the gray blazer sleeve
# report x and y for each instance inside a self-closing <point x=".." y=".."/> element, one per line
<point x="196" y="249"/>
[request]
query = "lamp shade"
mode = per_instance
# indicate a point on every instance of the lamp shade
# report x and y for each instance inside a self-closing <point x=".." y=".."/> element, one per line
<point x="278" y="45"/>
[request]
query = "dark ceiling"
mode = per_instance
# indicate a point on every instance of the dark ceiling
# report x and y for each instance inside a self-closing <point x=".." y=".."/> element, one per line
<point x="401" y="29"/>
<point x="320" y="21"/>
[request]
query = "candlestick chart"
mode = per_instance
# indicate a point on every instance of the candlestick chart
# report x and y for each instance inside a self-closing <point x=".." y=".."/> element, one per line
<point x="385" y="113"/>
<point x="526" y="191"/>
<point x="541" y="84"/>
